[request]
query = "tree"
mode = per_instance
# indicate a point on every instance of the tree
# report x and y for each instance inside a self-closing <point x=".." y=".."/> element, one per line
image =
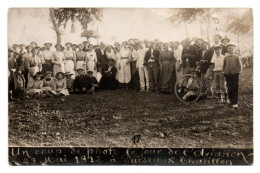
<point x="85" y="16"/>
<point x="241" y="25"/>
<point x="189" y="15"/>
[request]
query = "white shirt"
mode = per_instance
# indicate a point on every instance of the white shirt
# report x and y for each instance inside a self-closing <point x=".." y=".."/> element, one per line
<point x="141" y="54"/>
<point x="218" y="61"/>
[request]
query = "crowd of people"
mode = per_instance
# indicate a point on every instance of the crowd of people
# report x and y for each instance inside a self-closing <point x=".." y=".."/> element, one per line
<point x="151" y="66"/>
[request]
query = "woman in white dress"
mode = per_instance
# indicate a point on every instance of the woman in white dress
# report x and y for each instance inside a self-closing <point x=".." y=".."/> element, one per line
<point x="92" y="60"/>
<point x="81" y="58"/>
<point x="70" y="63"/>
<point x="34" y="64"/>
<point x="110" y="54"/>
<point x="124" y="65"/>
<point x="117" y="53"/>
<point x="58" y="60"/>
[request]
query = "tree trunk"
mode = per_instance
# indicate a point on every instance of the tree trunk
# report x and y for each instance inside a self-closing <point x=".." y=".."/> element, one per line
<point x="55" y="26"/>
<point x="208" y="25"/>
<point x="238" y="41"/>
<point x="186" y="30"/>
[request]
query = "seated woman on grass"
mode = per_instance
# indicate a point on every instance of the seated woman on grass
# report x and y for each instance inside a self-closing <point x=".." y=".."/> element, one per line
<point x="48" y="84"/>
<point x="34" y="87"/>
<point x="60" y="86"/>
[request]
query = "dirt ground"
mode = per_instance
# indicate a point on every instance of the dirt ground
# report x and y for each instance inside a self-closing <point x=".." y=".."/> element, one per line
<point x="112" y="118"/>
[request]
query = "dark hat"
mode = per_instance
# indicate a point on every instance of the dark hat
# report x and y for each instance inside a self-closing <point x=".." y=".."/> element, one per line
<point x="225" y="38"/>
<point x="22" y="45"/>
<point x="89" y="72"/>
<point x="10" y="49"/>
<point x="85" y="42"/>
<point x="111" y="59"/>
<point x="27" y="47"/>
<point x="217" y="35"/>
<point x="80" y="69"/>
<point x="57" y="74"/>
<point x="68" y="43"/>
<point x="45" y="44"/>
<point x="74" y="45"/>
<point x="68" y="74"/>
<point x="58" y="45"/>
<point x="116" y="44"/>
<point x="125" y="42"/>
<point x="205" y="42"/>
<point x="15" y="45"/>
<point x="38" y="74"/>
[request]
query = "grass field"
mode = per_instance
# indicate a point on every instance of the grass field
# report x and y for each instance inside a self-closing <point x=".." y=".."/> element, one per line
<point x="112" y="118"/>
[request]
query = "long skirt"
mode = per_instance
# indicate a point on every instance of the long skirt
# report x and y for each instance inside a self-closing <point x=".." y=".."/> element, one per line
<point x="166" y="79"/>
<point x="58" y="68"/>
<point x="30" y="92"/>
<point x="80" y="64"/>
<point x="69" y="67"/>
<point x="124" y="72"/>
<point x="91" y="67"/>
<point x="63" y="92"/>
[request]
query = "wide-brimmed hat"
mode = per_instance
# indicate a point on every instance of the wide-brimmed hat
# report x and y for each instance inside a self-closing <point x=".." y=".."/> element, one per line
<point x="177" y="42"/>
<point x="217" y="35"/>
<point x="57" y="74"/>
<point x="33" y="43"/>
<point x="85" y="42"/>
<point x="111" y="59"/>
<point x="89" y="72"/>
<point x="68" y="43"/>
<point x="27" y="47"/>
<point x="56" y="45"/>
<point x="38" y="74"/>
<point x="116" y="44"/>
<point x="15" y="45"/>
<point x="231" y="44"/>
<point x="68" y="74"/>
<point x="225" y="38"/>
<point x="10" y="49"/>
<point x="80" y="69"/>
<point x="22" y="45"/>
<point x="45" y="44"/>
<point x="152" y="42"/>
<point x="74" y="45"/>
<point x="201" y="39"/>
<point x="217" y="46"/>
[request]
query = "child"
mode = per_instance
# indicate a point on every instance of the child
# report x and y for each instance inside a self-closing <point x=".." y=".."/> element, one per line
<point x="48" y="84"/>
<point x="60" y="86"/>
<point x="218" y="75"/>
<point x="79" y="84"/>
<point x="91" y="83"/>
<point x="69" y="82"/>
<point x="34" y="87"/>
<point x="232" y="68"/>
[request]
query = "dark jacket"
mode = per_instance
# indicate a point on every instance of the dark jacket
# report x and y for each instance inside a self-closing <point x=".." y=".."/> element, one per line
<point x="101" y="59"/>
<point x="192" y="53"/>
<point x="111" y="74"/>
<point x="79" y="82"/>
<point x="156" y="55"/>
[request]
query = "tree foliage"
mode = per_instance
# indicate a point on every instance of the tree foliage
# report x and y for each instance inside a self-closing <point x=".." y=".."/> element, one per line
<point x="241" y="25"/>
<point x="85" y="16"/>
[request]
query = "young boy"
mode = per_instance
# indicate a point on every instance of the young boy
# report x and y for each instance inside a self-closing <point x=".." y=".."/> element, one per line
<point x="232" y="68"/>
<point x="218" y="75"/>
<point x="69" y="81"/>
<point x="91" y="83"/>
<point x="79" y="84"/>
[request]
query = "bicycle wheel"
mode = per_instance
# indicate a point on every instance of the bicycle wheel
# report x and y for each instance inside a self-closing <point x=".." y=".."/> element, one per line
<point x="188" y="89"/>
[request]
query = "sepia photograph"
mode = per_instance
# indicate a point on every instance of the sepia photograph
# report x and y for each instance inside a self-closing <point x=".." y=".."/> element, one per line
<point x="130" y="86"/>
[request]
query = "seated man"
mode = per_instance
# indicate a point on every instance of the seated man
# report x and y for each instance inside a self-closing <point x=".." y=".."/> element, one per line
<point x="79" y="84"/>
<point x="91" y="83"/>
<point x="108" y="80"/>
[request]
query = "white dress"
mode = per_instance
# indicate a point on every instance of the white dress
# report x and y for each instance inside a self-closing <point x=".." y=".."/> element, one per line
<point x="35" y="63"/>
<point x="70" y="56"/>
<point x="91" y="62"/>
<point x="59" y="58"/>
<point x="124" y="71"/>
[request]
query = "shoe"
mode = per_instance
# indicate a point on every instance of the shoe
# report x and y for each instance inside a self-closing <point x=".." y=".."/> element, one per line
<point x="142" y="89"/>
<point x="235" y="106"/>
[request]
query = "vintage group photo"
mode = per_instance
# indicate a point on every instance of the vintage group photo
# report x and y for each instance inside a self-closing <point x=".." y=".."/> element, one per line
<point x="131" y="78"/>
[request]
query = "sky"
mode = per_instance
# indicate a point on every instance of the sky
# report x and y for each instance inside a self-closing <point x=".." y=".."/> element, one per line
<point x="118" y="24"/>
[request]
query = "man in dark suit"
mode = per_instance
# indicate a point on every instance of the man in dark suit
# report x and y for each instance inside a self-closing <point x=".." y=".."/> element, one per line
<point x="101" y="57"/>
<point x="151" y="61"/>
<point x="190" y="53"/>
<point x="108" y="80"/>
<point x="79" y="84"/>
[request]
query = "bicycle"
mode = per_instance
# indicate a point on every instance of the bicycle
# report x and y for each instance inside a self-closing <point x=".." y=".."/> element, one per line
<point x="189" y="87"/>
